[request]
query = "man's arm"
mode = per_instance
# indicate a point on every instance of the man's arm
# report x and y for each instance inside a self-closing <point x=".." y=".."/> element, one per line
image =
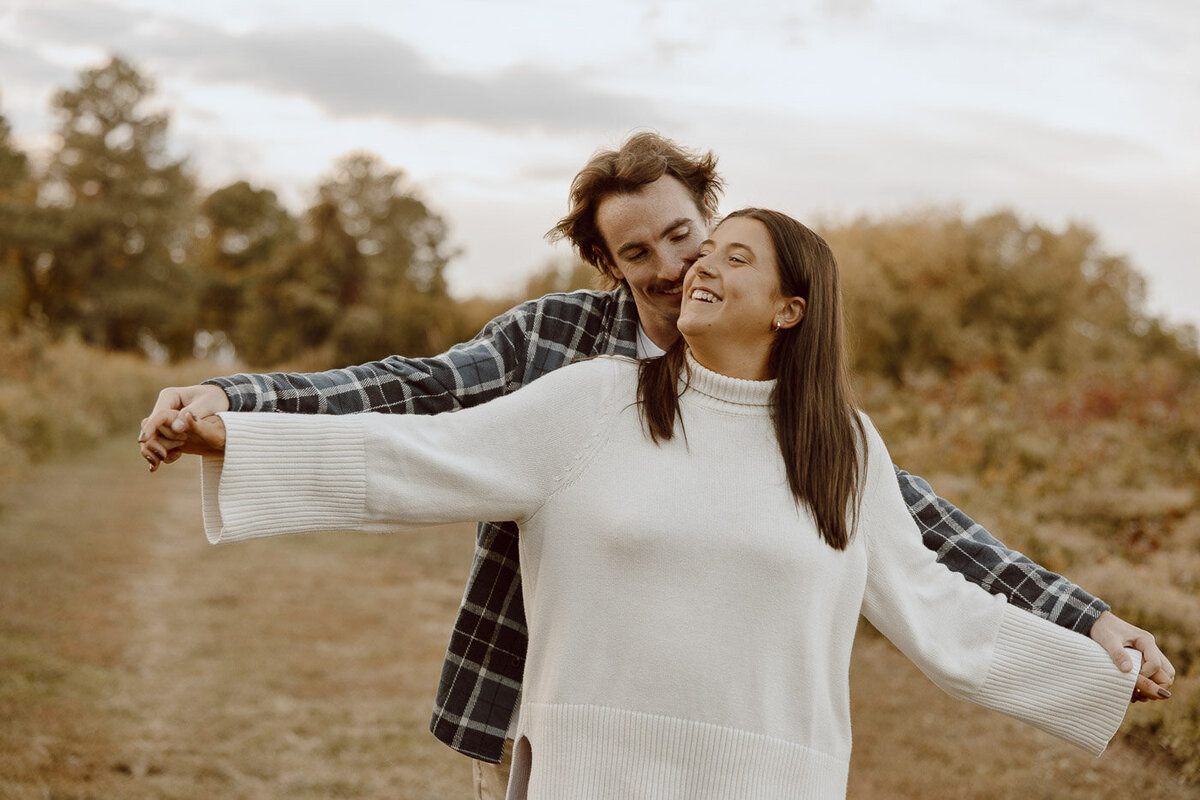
<point x="465" y="375"/>
<point x="530" y="340"/>
<point x="966" y="547"/>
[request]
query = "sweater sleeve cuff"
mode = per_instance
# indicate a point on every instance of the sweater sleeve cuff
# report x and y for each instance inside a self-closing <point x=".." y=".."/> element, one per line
<point x="284" y="473"/>
<point x="1057" y="680"/>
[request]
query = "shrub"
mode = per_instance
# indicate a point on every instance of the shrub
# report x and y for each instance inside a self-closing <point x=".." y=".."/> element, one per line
<point x="60" y="396"/>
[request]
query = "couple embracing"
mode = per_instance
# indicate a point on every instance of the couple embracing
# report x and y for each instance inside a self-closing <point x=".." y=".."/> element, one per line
<point x="693" y="517"/>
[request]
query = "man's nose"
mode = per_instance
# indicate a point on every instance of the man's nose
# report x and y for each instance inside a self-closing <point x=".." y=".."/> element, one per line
<point x="673" y="267"/>
<point x="673" y="272"/>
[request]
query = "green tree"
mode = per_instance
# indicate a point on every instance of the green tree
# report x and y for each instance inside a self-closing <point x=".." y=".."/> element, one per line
<point x="14" y="212"/>
<point x="27" y="232"/>
<point x="240" y="231"/>
<point x="123" y="204"/>
<point x="14" y="165"/>
<point x="365" y="280"/>
<point x="939" y="293"/>
<point x="296" y="299"/>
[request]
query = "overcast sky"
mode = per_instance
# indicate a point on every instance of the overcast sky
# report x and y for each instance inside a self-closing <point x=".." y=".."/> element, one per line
<point x="1064" y="110"/>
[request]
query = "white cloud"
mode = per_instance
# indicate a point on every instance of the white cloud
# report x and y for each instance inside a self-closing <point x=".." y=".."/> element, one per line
<point x="344" y="69"/>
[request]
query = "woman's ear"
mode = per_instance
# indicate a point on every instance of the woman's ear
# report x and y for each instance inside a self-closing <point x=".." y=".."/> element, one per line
<point x="790" y="312"/>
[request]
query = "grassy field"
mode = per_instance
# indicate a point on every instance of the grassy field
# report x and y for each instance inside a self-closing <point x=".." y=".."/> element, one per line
<point x="137" y="661"/>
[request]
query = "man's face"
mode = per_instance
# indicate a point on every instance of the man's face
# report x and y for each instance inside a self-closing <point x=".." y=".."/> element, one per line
<point x="653" y="236"/>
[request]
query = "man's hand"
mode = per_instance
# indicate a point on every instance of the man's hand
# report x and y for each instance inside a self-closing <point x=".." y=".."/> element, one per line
<point x="205" y="435"/>
<point x="164" y="434"/>
<point x="1156" y="676"/>
<point x="201" y="436"/>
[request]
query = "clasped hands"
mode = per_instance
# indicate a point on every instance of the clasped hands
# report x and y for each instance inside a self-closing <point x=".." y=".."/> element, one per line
<point x="184" y="421"/>
<point x="1156" y="676"/>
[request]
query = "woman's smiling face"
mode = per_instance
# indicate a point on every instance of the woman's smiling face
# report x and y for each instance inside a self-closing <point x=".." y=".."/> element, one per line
<point x="734" y="284"/>
<point x="732" y="302"/>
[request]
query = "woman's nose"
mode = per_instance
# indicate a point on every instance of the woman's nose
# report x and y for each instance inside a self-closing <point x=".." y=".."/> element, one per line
<point x="702" y="266"/>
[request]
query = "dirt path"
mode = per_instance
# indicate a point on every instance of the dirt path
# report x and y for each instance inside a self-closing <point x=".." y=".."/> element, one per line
<point x="137" y="661"/>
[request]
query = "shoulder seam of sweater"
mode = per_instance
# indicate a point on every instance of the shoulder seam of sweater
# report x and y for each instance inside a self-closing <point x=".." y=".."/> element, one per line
<point x="600" y="433"/>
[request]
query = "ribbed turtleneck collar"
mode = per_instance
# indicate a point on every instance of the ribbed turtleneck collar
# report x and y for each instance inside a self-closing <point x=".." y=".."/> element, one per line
<point x="737" y="391"/>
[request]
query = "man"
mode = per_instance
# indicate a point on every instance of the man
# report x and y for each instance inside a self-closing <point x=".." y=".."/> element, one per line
<point x="638" y="214"/>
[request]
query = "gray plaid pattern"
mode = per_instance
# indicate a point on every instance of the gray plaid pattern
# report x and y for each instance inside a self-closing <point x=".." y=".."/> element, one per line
<point x="481" y="676"/>
<point x="964" y="546"/>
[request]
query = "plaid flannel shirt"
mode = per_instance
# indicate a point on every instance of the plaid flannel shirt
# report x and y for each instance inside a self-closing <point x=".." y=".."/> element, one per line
<point x="482" y="672"/>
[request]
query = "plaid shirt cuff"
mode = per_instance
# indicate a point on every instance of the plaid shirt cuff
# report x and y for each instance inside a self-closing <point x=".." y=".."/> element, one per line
<point x="244" y="395"/>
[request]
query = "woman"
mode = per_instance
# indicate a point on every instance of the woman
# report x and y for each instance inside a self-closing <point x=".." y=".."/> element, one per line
<point x="698" y="537"/>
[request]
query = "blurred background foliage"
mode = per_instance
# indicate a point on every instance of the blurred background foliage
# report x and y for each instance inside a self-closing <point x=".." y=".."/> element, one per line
<point x="112" y="241"/>
<point x="1012" y="365"/>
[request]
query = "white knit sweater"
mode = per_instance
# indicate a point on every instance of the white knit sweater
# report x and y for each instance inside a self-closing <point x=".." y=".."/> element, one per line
<point x="689" y="631"/>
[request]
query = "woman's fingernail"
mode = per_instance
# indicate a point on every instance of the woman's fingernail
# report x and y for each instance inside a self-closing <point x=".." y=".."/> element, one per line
<point x="1163" y="693"/>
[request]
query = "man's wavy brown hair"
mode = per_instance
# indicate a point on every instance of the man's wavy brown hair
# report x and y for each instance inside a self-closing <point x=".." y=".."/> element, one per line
<point x="642" y="159"/>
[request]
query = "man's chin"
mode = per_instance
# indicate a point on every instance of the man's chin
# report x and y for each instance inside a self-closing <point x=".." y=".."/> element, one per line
<point x="661" y="306"/>
<point x="670" y="309"/>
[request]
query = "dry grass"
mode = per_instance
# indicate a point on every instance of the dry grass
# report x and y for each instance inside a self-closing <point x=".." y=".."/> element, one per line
<point x="63" y="396"/>
<point x="136" y="661"/>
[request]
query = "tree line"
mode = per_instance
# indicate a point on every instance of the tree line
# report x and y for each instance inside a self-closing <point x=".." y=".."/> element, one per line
<point x="111" y="240"/>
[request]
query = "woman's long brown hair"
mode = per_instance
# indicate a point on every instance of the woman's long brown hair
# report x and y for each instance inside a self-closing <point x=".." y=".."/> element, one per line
<point x="818" y="429"/>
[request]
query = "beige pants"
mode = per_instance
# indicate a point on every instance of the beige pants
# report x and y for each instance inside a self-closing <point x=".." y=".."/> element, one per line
<point x="491" y="780"/>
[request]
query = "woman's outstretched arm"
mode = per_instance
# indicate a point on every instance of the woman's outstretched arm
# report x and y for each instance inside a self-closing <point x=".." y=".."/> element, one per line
<point x="285" y="473"/>
<point x="973" y="644"/>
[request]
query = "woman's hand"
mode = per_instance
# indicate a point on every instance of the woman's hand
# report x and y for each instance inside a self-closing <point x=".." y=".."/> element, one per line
<point x="1157" y="674"/>
<point x="206" y="435"/>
